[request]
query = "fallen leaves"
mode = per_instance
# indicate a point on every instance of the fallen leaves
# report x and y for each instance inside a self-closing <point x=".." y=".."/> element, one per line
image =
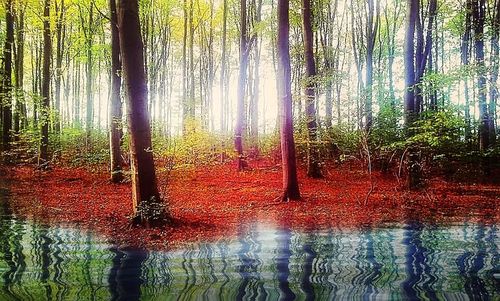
<point x="214" y="202"/>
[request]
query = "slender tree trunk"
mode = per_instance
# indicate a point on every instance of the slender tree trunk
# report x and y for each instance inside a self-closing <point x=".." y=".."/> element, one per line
<point x="20" y="112"/>
<point x="45" y="104"/>
<point x="465" y="55"/>
<point x="192" y="90"/>
<point x="371" y="35"/>
<point x="90" y="78"/>
<point x="242" y="79"/>
<point x="290" y="180"/>
<point x="145" y="196"/>
<point x="478" y="13"/>
<point x="495" y="51"/>
<point x="7" y="77"/>
<point x="409" y="60"/>
<point x="410" y="104"/>
<point x="423" y="50"/>
<point x="115" y="117"/>
<point x="254" y="100"/>
<point x="60" y="30"/>
<point x="185" y="105"/>
<point x="313" y="164"/>
<point x="211" y="72"/>
<point x="223" y="68"/>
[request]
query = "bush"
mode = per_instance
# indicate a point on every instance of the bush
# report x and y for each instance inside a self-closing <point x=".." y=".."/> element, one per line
<point x="196" y="146"/>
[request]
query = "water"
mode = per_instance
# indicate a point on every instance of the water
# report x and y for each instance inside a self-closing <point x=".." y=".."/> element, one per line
<point x="410" y="262"/>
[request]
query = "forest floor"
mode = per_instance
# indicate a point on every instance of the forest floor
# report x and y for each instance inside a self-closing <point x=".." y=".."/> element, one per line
<point x="215" y="201"/>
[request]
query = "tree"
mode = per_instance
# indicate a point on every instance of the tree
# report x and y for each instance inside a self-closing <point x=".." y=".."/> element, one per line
<point x="88" y="33"/>
<point x="20" y="117"/>
<point x="371" y="35"/>
<point x="290" y="180"/>
<point x="478" y="16"/>
<point x="495" y="56"/>
<point x="409" y="61"/>
<point x="465" y="56"/>
<point x="145" y="196"/>
<point x="60" y="36"/>
<point x="223" y="68"/>
<point x="313" y="164"/>
<point x="413" y="173"/>
<point x="115" y="117"/>
<point x="45" y="104"/>
<point x="7" y="77"/>
<point x="242" y="79"/>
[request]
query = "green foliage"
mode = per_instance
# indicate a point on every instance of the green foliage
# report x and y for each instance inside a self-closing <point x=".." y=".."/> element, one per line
<point x="73" y="146"/>
<point x="440" y="131"/>
<point x="196" y="146"/>
<point x="345" y="138"/>
<point x="269" y="144"/>
<point x="386" y="128"/>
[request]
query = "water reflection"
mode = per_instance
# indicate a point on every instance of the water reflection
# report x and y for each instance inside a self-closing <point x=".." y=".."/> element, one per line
<point x="414" y="262"/>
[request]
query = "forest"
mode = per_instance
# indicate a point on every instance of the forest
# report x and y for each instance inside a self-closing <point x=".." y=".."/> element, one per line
<point x="220" y="126"/>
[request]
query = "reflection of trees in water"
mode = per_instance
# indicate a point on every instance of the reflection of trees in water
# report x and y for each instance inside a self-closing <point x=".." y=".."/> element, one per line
<point x="309" y="256"/>
<point x="249" y="268"/>
<point x="126" y="275"/>
<point x="414" y="262"/>
<point x="471" y="263"/>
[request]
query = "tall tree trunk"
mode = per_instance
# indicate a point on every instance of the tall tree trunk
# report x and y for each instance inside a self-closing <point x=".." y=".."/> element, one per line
<point x="411" y="107"/>
<point x="255" y="95"/>
<point x="145" y="196"/>
<point x="313" y="164"/>
<point x="478" y="13"/>
<point x="223" y="68"/>
<point x="409" y="61"/>
<point x="495" y="51"/>
<point x="242" y="79"/>
<point x="115" y="116"/>
<point x="60" y="32"/>
<point x="465" y="55"/>
<point x="290" y="180"/>
<point x="7" y="77"/>
<point x="45" y="104"/>
<point x="423" y="52"/>
<point x="371" y="35"/>
<point x="192" y="90"/>
<point x="211" y="71"/>
<point x="90" y="99"/>
<point x="20" y="117"/>
<point x="185" y="105"/>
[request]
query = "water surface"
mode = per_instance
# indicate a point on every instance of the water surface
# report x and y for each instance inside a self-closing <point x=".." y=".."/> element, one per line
<point x="263" y="262"/>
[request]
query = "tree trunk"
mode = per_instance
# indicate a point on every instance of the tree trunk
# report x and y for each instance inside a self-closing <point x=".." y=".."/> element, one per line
<point x="146" y="201"/>
<point x="290" y="180"/>
<point x="412" y="163"/>
<point x="192" y="90"/>
<point x="90" y="99"/>
<point x="20" y="112"/>
<point x="495" y="51"/>
<point x="45" y="104"/>
<point x="242" y="79"/>
<point x="371" y="34"/>
<point x="409" y="61"/>
<point x="478" y="13"/>
<point x="185" y="106"/>
<point x="7" y="78"/>
<point x="116" y="103"/>
<point x="60" y="24"/>
<point x="465" y="55"/>
<point x="223" y="68"/>
<point x="313" y="164"/>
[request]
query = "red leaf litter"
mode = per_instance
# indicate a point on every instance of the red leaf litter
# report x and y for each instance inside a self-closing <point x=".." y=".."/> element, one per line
<point x="208" y="203"/>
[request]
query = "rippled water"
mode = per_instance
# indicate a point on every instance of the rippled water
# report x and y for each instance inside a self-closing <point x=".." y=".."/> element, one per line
<point x="411" y="262"/>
